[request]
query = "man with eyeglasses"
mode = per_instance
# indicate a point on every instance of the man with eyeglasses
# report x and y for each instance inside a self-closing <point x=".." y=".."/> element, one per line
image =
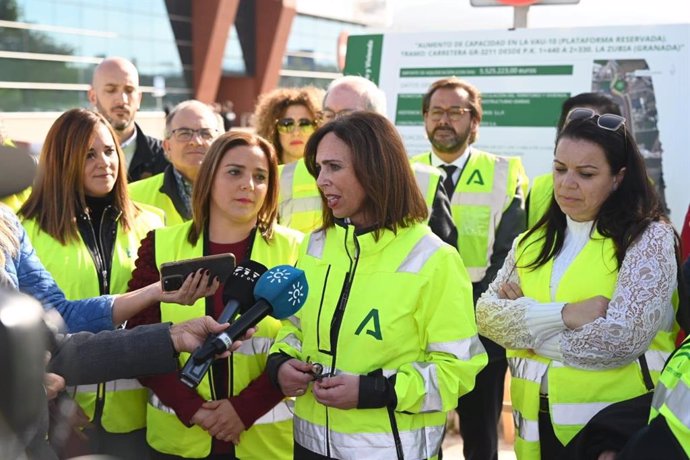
<point x="190" y="128"/>
<point x="115" y="94"/>
<point x="486" y="195"/>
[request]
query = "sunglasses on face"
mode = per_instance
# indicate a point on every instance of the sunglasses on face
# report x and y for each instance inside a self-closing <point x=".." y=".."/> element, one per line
<point x="607" y="121"/>
<point x="287" y="125"/>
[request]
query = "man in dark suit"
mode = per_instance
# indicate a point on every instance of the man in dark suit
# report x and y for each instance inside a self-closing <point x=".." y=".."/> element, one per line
<point x="77" y="359"/>
<point x="116" y="95"/>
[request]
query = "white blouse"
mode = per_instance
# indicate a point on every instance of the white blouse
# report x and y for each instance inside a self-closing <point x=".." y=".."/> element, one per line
<point x="640" y="306"/>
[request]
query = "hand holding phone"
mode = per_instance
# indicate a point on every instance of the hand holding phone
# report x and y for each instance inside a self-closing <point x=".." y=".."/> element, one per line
<point x="219" y="266"/>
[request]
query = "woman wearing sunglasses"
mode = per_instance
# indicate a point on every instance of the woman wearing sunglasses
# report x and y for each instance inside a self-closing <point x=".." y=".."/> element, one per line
<point x="287" y="117"/>
<point x="583" y="301"/>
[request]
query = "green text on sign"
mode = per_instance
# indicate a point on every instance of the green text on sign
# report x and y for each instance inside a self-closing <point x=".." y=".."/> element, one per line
<point x="488" y="71"/>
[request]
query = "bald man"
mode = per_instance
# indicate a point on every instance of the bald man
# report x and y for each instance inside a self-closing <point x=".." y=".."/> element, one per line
<point x="115" y="94"/>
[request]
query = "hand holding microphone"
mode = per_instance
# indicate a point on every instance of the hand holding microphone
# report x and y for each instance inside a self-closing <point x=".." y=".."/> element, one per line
<point x="238" y="294"/>
<point x="279" y="292"/>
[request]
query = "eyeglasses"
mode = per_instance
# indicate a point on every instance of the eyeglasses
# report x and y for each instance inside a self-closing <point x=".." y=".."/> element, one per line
<point x="609" y="121"/>
<point x="329" y="115"/>
<point x="454" y="114"/>
<point x="287" y="125"/>
<point x="186" y="134"/>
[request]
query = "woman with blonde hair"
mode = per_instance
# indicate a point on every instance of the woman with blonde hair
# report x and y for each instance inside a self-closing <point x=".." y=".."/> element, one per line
<point x="286" y="117"/>
<point x="234" y="204"/>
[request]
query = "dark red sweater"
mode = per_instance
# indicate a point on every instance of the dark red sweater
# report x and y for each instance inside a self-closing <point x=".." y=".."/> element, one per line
<point x="252" y="402"/>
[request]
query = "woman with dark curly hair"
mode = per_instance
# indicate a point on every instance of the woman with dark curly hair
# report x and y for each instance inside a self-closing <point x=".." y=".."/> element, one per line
<point x="286" y="117"/>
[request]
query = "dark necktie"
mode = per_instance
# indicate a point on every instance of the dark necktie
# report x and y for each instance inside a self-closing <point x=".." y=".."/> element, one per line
<point x="441" y="219"/>
<point x="448" y="181"/>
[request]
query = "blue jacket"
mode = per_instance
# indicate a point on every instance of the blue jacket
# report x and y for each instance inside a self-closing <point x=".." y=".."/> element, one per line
<point x="25" y="272"/>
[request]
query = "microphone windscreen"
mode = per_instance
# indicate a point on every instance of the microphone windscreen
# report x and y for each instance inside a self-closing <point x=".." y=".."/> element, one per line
<point x="240" y="283"/>
<point x="285" y="288"/>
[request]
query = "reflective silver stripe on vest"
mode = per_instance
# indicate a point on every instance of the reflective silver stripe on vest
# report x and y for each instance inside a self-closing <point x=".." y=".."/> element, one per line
<point x="464" y="349"/>
<point x="281" y="412"/>
<point x="317" y="243"/>
<point x="575" y="413"/>
<point x="495" y="201"/>
<point x="289" y="205"/>
<point x="295" y="321"/>
<point x="113" y="385"/>
<point x="287" y="177"/>
<point x="255" y="346"/>
<point x="422" y="443"/>
<point x="476" y="273"/>
<point x="420" y="254"/>
<point x="660" y="392"/>
<point x="423" y="178"/>
<point x="677" y="400"/>
<point x="527" y="369"/>
<point x="155" y="402"/>
<point x="292" y="341"/>
<point x="656" y="359"/>
<point x="432" y="400"/>
<point x="527" y="429"/>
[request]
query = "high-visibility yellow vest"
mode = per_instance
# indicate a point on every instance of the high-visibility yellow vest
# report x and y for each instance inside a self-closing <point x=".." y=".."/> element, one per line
<point x="409" y="312"/>
<point x="672" y="396"/>
<point x="575" y="395"/>
<point x="486" y="188"/>
<point x="148" y="191"/>
<point x="427" y="178"/>
<point x="539" y="198"/>
<point x="271" y="435"/>
<point x="73" y="268"/>
<point x="299" y="201"/>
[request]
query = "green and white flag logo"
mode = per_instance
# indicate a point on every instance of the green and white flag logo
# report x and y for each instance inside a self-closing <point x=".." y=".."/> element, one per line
<point x="364" y="56"/>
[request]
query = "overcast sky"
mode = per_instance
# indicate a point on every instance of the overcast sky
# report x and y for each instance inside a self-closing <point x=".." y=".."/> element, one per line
<point x="429" y="15"/>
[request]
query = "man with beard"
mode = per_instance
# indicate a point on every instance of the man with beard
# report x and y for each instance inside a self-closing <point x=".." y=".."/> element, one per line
<point x="116" y="95"/>
<point x="487" y="201"/>
<point x="190" y="128"/>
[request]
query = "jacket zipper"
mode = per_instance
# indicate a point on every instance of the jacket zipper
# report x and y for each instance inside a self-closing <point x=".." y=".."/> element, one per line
<point x="338" y="318"/>
<point x="104" y="282"/>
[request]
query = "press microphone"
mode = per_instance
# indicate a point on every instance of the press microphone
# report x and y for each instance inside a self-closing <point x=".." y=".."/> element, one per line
<point x="237" y="295"/>
<point x="280" y="292"/>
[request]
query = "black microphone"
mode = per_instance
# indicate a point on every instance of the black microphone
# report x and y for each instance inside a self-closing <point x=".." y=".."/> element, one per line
<point x="237" y="295"/>
<point x="281" y="292"/>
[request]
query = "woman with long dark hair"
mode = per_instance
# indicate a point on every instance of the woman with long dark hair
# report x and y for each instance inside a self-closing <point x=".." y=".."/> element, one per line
<point x="583" y="302"/>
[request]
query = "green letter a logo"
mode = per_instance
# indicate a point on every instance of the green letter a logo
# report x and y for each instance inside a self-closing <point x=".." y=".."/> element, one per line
<point x="376" y="331"/>
<point x="475" y="178"/>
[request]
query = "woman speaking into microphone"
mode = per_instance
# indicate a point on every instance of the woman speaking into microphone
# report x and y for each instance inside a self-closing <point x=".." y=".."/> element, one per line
<point x="386" y="341"/>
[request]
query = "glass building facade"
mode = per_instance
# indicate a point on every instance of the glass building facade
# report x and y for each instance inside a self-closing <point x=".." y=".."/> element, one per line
<point x="49" y="48"/>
